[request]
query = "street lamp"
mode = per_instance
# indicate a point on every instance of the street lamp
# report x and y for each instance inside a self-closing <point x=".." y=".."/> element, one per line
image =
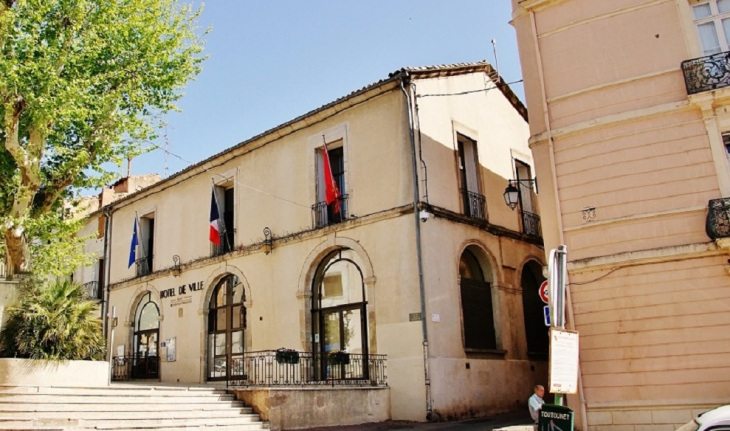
<point x="512" y="193"/>
<point x="268" y="242"/>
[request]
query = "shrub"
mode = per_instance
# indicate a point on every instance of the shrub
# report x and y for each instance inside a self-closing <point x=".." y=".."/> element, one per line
<point x="53" y="322"/>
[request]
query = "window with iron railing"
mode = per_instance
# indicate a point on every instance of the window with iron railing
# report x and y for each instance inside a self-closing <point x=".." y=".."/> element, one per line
<point x="472" y="200"/>
<point x="225" y="201"/>
<point x="324" y="214"/>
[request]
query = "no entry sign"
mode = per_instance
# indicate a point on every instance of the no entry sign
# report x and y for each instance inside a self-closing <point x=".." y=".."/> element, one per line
<point x="543" y="291"/>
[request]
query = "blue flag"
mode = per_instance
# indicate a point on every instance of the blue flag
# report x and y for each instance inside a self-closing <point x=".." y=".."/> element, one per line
<point x="133" y="246"/>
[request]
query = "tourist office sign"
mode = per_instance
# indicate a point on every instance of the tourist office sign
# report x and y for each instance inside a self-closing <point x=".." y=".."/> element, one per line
<point x="181" y="294"/>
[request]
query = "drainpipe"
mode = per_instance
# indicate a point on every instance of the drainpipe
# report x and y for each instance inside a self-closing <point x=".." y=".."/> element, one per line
<point x="551" y="148"/>
<point x="403" y="82"/>
<point x="107" y="266"/>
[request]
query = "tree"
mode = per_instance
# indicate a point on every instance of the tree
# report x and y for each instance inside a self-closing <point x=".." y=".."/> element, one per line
<point x="82" y="83"/>
<point x="53" y="322"/>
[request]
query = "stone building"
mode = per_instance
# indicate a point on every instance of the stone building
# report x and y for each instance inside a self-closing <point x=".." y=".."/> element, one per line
<point x="416" y="274"/>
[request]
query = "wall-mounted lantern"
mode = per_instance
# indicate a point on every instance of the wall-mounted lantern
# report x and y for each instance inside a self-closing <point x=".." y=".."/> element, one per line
<point x="176" y="269"/>
<point x="268" y="242"/>
<point x="512" y="193"/>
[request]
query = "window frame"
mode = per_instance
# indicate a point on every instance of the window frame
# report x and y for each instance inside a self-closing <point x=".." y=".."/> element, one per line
<point x="716" y="18"/>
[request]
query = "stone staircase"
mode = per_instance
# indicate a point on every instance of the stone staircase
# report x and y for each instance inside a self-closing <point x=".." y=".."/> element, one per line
<point x="123" y="407"/>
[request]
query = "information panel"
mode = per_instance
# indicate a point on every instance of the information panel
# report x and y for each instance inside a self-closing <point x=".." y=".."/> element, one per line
<point x="563" y="361"/>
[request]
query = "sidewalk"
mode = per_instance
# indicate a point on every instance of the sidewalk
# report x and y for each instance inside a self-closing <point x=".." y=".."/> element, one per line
<point x="483" y="424"/>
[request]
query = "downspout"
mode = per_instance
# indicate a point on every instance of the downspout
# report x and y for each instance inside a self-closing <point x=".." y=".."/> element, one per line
<point x="107" y="266"/>
<point x="551" y="148"/>
<point x="424" y="327"/>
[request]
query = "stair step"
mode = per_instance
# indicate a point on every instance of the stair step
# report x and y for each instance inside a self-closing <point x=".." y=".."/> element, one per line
<point x="75" y="399"/>
<point x="102" y="415"/>
<point x="124" y="408"/>
<point x="115" y="390"/>
<point x="86" y="407"/>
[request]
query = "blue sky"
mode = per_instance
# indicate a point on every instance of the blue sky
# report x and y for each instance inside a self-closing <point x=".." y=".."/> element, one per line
<point x="273" y="60"/>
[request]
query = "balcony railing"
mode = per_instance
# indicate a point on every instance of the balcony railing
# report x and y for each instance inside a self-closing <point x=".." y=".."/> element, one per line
<point x="718" y="218"/>
<point x="531" y="224"/>
<point x="131" y="367"/>
<point x="474" y="205"/>
<point x="325" y="215"/>
<point x="272" y="368"/>
<point x="707" y="73"/>
<point x="143" y="266"/>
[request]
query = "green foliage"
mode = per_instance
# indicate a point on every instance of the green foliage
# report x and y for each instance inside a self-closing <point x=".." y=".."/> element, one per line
<point x="83" y="83"/>
<point x="53" y="322"/>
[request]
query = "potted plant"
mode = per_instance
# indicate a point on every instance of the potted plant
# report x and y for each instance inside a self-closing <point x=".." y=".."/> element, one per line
<point x="287" y="356"/>
<point x="340" y="357"/>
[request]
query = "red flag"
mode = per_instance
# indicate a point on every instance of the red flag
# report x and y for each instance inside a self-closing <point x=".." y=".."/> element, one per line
<point x="214" y="235"/>
<point x="331" y="192"/>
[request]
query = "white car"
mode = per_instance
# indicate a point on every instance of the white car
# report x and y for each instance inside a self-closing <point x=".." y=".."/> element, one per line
<point x="712" y="420"/>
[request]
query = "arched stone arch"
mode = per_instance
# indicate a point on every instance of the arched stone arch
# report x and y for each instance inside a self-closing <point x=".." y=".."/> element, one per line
<point x="136" y="296"/>
<point x="221" y="271"/>
<point x="527" y="259"/>
<point x="214" y="277"/>
<point x="306" y="275"/>
<point x="536" y="334"/>
<point x="495" y="277"/>
<point x="486" y="258"/>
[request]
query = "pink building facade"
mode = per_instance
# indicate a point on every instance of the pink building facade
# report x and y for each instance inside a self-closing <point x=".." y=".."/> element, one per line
<point x="629" y="105"/>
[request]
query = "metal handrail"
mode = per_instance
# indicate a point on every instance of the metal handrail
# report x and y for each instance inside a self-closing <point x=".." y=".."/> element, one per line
<point x="325" y="215"/>
<point x="291" y="368"/>
<point x="531" y="224"/>
<point x="474" y="205"/>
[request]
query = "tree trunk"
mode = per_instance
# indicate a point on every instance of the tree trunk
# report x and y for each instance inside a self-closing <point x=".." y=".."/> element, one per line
<point x="14" y="251"/>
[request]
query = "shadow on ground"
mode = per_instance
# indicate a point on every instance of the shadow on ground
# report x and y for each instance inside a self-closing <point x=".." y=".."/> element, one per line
<point x="482" y="424"/>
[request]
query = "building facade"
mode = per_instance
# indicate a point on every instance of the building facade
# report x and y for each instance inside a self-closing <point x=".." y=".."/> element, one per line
<point x="631" y="145"/>
<point x="417" y="270"/>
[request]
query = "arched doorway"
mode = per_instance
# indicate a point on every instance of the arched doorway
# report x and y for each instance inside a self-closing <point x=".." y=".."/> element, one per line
<point x="536" y="332"/>
<point x="339" y="318"/>
<point x="226" y="325"/>
<point x="146" y="363"/>
<point x="476" y="301"/>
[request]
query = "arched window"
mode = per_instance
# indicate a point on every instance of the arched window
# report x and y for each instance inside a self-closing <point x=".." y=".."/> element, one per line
<point x="536" y="331"/>
<point x="226" y="323"/>
<point x="146" y="339"/>
<point x="339" y="317"/>
<point x="476" y="304"/>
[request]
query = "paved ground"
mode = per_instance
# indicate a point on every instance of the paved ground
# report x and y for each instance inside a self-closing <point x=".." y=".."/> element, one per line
<point x="485" y="424"/>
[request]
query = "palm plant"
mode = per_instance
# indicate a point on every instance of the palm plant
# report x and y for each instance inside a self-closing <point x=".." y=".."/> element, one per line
<point x="53" y="322"/>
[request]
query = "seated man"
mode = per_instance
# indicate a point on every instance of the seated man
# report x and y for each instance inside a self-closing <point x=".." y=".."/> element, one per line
<point x="535" y="402"/>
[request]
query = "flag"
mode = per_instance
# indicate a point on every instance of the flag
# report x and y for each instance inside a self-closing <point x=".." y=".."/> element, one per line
<point x="331" y="192"/>
<point x="133" y="245"/>
<point x="215" y="234"/>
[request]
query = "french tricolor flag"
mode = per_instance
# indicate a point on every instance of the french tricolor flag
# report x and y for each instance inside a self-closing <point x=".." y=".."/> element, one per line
<point x="215" y="221"/>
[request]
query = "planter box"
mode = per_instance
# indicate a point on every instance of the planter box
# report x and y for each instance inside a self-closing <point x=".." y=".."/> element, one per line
<point x="287" y="357"/>
<point x="339" y="358"/>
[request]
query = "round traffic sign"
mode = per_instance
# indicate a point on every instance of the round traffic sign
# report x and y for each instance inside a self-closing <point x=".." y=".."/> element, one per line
<point x="543" y="291"/>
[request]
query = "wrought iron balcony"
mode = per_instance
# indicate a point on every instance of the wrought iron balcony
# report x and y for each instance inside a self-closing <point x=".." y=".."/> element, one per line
<point x="707" y="73"/>
<point x="718" y="218"/>
<point x="474" y="205"/>
<point x="143" y="266"/>
<point x="271" y="368"/>
<point x="531" y="224"/>
<point x="325" y="215"/>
